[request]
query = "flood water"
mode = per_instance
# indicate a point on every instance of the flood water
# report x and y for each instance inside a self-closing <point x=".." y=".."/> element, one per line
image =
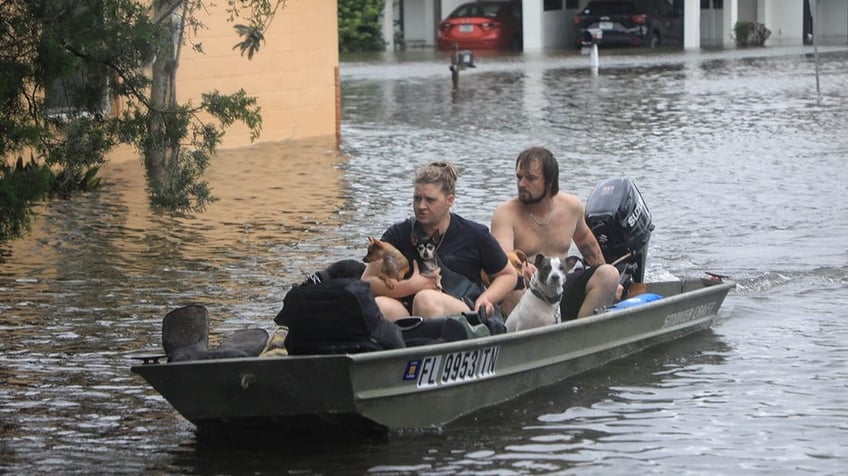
<point x="739" y="160"/>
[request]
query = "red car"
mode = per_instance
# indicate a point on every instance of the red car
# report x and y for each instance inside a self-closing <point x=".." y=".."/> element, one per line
<point x="487" y="24"/>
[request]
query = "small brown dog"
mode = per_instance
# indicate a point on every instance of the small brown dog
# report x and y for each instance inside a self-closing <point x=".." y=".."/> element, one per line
<point x="517" y="258"/>
<point x="395" y="265"/>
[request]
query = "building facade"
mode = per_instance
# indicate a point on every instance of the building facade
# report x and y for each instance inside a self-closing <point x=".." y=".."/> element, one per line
<point x="707" y="23"/>
<point x="294" y="74"/>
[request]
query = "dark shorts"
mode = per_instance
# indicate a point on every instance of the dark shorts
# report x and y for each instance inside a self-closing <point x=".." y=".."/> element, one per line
<point x="574" y="292"/>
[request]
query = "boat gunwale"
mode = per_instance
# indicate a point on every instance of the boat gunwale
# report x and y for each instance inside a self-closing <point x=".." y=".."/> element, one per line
<point x="445" y="347"/>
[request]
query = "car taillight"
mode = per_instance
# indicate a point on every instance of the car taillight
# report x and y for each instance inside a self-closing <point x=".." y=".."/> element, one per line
<point x="490" y="25"/>
<point x="578" y="20"/>
<point x="640" y="19"/>
<point x="444" y="26"/>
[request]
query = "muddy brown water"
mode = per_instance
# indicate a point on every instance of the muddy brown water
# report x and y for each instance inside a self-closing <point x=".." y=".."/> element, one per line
<point x="742" y="165"/>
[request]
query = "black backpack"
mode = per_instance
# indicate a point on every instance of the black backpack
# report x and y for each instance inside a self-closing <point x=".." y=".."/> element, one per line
<point x="338" y="316"/>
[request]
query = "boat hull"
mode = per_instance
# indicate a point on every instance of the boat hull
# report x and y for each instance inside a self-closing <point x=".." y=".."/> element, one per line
<point x="428" y="386"/>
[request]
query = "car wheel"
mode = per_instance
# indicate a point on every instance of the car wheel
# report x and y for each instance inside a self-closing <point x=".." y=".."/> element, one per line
<point x="655" y="39"/>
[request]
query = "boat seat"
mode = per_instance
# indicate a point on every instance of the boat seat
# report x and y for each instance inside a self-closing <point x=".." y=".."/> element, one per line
<point x="185" y="336"/>
<point x="185" y="331"/>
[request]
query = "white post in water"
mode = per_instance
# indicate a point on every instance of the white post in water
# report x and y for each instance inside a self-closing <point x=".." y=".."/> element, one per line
<point x="815" y="14"/>
<point x="594" y="58"/>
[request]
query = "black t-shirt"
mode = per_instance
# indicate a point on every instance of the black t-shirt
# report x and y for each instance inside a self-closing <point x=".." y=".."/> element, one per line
<point x="466" y="248"/>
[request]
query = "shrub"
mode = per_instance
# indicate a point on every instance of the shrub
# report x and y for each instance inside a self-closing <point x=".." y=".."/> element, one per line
<point x="359" y="25"/>
<point x="748" y="33"/>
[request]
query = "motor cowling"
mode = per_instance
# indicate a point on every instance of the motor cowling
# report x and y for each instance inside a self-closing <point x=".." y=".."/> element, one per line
<point x="621" y="222"/>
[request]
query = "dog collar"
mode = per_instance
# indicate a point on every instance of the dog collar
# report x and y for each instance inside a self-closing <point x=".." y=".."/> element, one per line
<point x="550" y="300"/>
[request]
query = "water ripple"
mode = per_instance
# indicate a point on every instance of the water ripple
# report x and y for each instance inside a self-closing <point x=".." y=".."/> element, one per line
<point x="741" y="166"/>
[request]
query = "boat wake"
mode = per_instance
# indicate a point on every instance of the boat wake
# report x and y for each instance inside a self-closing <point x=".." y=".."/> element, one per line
<point x="800" y="281"/>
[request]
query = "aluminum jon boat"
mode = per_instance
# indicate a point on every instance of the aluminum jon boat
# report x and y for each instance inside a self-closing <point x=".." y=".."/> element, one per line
<point x="427" y="386"/>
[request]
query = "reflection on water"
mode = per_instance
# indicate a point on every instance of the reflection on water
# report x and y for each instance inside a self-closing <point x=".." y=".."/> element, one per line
<point x="742" y="167"/>
<point x="628" y="408"/>
<point x="97" y="274"/>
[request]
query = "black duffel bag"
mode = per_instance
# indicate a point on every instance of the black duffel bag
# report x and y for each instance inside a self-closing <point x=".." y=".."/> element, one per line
<point x="338" y="316"/>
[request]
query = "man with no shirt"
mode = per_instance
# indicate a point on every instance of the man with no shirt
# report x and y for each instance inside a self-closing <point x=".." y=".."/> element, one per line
<point x="541" y="219"/>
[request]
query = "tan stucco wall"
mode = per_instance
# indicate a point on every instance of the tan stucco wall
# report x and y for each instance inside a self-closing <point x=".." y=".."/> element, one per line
<point x="293" y="75"/>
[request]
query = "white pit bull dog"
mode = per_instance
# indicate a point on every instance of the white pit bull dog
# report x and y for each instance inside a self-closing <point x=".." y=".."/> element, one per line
<point x="539" y="306"/>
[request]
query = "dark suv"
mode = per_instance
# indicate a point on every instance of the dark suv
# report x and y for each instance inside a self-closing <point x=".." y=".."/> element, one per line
<point x="630" y="22"/>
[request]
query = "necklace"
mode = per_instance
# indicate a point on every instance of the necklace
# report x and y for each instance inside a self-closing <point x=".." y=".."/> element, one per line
<point x="542" y="223"/>
<point x="413" y="221"/>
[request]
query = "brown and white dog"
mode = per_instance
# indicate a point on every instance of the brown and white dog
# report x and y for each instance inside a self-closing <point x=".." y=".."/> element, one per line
<point x="394" y="266"/>
<point x="539" y="306"/>
<point x="518" y="259"/>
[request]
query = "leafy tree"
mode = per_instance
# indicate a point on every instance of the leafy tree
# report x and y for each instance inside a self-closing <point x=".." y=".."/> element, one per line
<point x="63" y="63"/>
<point x="359" y="25"/>
<point x="19" y="187"/>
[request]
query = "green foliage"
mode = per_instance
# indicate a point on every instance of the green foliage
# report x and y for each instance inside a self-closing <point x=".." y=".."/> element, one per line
<point x="748" y="33"/>
<point x="180" y="187"/>
<point x="183" y="188"/>
<point x="79" y="154"/>
<point x="234" y="107"/>
<point x="20" y="187"/>
<point x="260" y="15"/>
<point x="359" y="25"/>
<point x="62" y="65"/>
<point x="253" y="38"/>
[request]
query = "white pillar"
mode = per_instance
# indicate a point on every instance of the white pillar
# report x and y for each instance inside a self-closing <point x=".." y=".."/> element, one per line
<point x="692" y="24"/>
<point x="761" y="11"/>
<point x="728" y="21"/>
<point x="533" y="25"/>
<point x="388" y="25"/>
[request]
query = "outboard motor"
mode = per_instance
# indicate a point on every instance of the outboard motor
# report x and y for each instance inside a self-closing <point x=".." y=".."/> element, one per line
<point x="621" y="222"/>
